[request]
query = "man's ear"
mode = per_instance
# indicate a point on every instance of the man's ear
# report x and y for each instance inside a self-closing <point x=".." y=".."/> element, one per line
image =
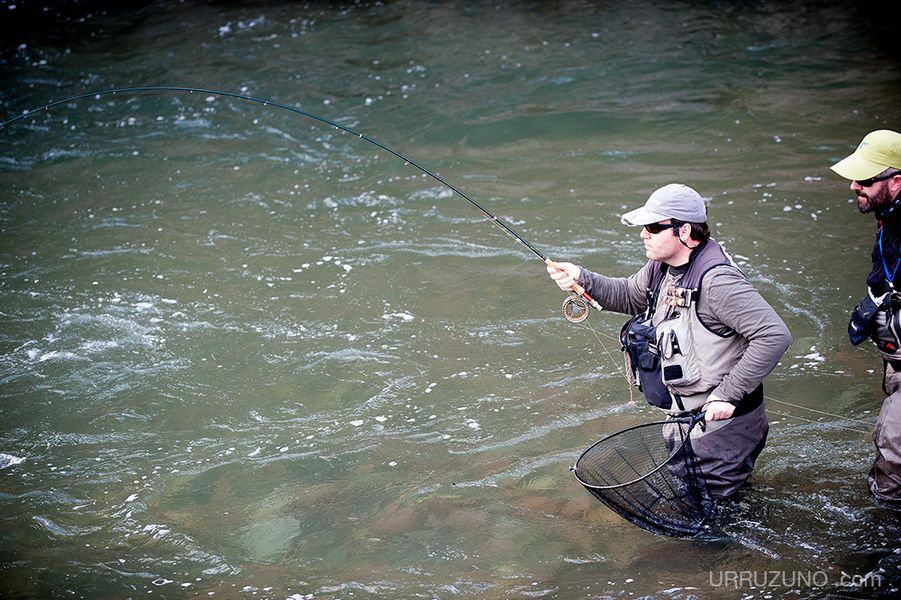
<point x="894" y="184"/>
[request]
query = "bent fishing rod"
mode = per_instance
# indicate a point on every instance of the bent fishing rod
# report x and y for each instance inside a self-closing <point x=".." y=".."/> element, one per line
<point x="575" y="307"/>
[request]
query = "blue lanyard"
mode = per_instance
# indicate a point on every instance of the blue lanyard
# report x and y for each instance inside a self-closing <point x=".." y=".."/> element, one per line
<point x="889" y="277"/>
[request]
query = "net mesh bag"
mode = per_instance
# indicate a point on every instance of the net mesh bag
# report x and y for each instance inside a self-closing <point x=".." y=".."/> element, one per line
<point x="649" y="475"/>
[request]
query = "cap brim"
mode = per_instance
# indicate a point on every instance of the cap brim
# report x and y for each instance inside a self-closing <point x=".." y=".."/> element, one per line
<point x="641" y="216"/>
<point x="856" y="168"/>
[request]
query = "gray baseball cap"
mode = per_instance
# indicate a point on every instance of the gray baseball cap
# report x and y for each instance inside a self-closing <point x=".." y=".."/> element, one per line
<point x="673" y="201"/>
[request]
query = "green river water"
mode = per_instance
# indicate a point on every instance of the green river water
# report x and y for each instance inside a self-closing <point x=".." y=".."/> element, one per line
<point x="247" y="355"/>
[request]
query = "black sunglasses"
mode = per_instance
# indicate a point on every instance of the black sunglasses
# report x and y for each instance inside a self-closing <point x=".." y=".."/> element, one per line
<point x="872" y="180"/>
<point x="653" y="228"/>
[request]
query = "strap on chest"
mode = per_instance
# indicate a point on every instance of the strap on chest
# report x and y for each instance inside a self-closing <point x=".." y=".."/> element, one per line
<point x="709" y="255"/>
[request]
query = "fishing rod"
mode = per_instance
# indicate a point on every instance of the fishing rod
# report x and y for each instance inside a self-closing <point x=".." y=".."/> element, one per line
<point x="575" y="307"/>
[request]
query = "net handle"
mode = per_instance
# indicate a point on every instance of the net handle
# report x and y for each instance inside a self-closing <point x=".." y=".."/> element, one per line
<point x="695" y="418"/>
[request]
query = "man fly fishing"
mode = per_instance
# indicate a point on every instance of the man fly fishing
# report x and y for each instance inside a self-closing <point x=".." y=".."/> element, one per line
<point x="700" y="337"/>
<point x="874" y="169"/>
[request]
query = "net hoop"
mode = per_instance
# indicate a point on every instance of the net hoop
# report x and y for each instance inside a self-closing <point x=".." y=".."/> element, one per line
<point x="690" y="421"/>
<point x="650" y="475"/>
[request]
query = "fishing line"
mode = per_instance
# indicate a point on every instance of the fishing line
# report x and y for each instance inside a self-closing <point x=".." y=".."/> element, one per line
<point x="575" y="307"/>
<point x="268" y="103"/>
<point x="782" y="414"/>
<point x="597" y="336"/>
<point x="821" y="412"/>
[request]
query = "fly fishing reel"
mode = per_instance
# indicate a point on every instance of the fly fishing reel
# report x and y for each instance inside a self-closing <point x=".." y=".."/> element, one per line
<point x="575" y="308"/>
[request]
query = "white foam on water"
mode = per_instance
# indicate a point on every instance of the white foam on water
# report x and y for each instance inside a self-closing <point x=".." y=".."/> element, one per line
<point x="98" y="346"/>
<point x="38" y="356"/>
<point x="51" y="526"/>
<point x="157" y="531"/>
<point x="403" y="316"/>
<point x="8" y="460"/>
<point x="594" y="558"/>
<point x="196" y="123"/>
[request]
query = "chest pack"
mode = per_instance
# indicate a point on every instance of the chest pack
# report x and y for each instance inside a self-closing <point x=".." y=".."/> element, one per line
<point x="658" y="344"/>
<point x="878" y="315"/>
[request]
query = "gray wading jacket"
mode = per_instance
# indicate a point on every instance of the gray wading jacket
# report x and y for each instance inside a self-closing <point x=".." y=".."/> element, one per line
<point x="737" y="335"/>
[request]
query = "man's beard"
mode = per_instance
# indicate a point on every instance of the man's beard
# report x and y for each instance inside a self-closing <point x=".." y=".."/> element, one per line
<point x="867" y="203"/>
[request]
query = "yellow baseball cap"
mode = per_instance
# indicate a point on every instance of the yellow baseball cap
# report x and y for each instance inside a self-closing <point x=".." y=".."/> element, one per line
<point x="878" y="151"/>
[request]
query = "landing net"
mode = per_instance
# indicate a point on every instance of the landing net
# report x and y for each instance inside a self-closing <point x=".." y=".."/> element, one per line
<point x="649" y="475"/>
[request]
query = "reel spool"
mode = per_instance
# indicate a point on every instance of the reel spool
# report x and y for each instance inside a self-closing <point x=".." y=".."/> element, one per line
<point x="575" y="308"/>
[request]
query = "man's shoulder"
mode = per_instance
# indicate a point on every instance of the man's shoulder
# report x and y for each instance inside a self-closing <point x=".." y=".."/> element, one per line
<point x="724" y="270"/>
<point x="723" y="280"/>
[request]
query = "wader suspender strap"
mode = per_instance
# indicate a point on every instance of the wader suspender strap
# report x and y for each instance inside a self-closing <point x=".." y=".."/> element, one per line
<point x="889" y="277"/>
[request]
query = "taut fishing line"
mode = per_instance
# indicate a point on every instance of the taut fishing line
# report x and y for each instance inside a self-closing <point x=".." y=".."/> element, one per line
<point x="821" y="412"/>
<point x="575" y="307"/>
<point x="652" y="480"/>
